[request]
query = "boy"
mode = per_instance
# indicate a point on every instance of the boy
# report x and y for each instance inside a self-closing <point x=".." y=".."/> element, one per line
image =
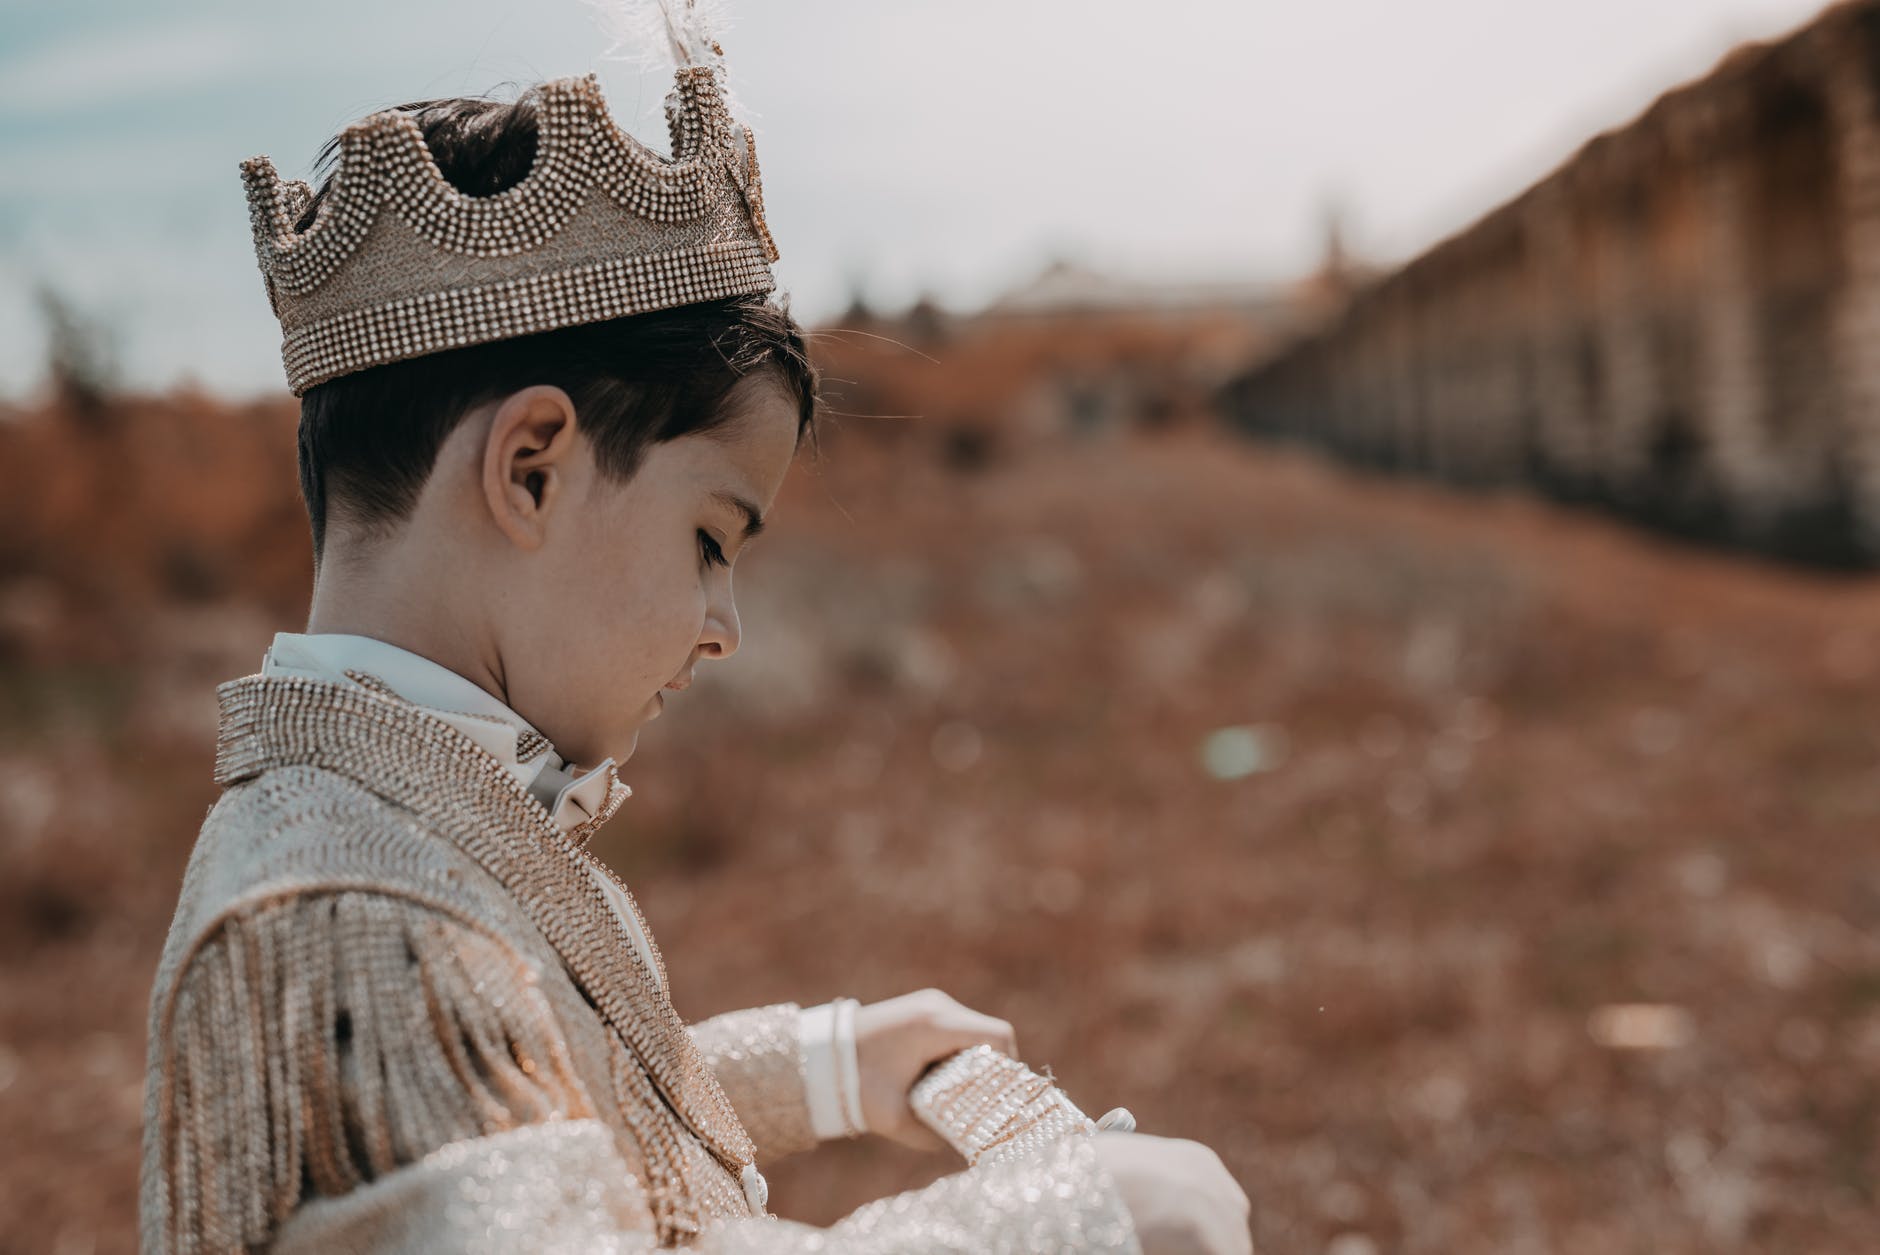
<point x="545" y="407"/>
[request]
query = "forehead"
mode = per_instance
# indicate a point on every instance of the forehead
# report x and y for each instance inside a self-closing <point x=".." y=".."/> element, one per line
<point x="751" y="451"/>
<point x="763" y="427"/>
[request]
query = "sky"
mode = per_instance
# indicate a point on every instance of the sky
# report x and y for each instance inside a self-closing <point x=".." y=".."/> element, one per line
<point x="949" y="148"/>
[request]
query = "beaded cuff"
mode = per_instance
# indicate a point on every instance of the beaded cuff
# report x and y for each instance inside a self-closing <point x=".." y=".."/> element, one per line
<point x="993" y="1109"/>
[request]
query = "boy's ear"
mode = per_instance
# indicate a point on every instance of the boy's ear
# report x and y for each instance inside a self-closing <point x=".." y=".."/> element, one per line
<point x="526" y="460"/>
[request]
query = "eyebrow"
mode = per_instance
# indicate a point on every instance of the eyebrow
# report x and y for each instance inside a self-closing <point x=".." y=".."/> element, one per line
<point x="753" y="517"/>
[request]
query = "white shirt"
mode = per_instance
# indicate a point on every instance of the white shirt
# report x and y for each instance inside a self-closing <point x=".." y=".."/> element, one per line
<point x="571" y="796"/>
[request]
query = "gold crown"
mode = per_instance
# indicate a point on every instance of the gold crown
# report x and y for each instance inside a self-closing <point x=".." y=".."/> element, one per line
<point x="397" y="263"/>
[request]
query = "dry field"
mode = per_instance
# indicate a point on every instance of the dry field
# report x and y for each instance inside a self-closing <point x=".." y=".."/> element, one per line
<point x="1331" y="820"/>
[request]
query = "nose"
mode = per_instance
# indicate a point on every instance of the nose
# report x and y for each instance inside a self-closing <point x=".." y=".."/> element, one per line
<point x="722" y="630"/>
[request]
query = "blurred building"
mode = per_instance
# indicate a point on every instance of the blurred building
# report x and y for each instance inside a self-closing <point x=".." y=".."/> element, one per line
<point x="1076" y="351"/>
<point x="1682" y="322"/>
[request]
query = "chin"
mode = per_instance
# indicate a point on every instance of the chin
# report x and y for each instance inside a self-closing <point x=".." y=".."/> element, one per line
<point x="626" y="746"/>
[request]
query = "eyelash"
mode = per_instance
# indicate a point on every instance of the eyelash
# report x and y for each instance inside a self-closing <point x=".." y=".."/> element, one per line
<point x="713" y="554"/>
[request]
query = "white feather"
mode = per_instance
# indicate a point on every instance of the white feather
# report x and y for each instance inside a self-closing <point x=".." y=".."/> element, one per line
<point x="666" y="35"/>
<point x="672" y="32"/>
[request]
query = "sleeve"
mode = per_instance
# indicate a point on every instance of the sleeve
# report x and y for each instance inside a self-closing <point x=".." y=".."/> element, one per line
<point x="318" y="1043"/>
<point x="759" y="1060"/>
<point x="785" y="1069"/>
<point x="559" y="1190"/>
<point x="354" y="1072"/>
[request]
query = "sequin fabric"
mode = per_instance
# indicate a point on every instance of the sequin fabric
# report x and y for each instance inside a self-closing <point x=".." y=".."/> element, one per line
<point x="551" y="1189"/>
<point x="759" y="1050"/>
<point x="1059" y="1201"/>
<point x="392" y="979"/>
<point x="397" y="263"/>
<point x="543" y="1187"/>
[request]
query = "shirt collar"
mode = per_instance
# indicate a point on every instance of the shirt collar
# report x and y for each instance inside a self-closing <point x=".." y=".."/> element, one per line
<point x="579" y="800"/>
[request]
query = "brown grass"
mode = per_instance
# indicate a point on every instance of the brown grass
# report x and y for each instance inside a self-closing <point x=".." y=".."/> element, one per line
<point x="1526" y="764"/>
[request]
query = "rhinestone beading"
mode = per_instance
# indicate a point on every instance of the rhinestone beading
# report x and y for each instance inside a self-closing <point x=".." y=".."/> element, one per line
<point x="993" y="1109"/>
<point x="690" y="228"/>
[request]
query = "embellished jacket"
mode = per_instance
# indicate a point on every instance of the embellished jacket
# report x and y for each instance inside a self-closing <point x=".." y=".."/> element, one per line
<point x="397" y="1012"/>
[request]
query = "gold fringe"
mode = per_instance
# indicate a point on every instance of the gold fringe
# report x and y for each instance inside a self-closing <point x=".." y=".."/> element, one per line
<point x="320" y="1042"/>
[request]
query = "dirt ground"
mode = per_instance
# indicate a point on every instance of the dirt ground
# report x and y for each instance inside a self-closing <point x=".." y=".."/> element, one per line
<point x="1473" y="875"/>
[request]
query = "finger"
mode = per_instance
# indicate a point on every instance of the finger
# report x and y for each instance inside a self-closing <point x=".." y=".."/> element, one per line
<point x="993" y="1032"/>
<point x="1005" y="1039"/>
<point x="969" y="1028"/>
<point x="959" y="1025"/>
<point x="1239" y="1191"/>
<point x="1234" y="1191"/>
<point x="1229" y="1238"/>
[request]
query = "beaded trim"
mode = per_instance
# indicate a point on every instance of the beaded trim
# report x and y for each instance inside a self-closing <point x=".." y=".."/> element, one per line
<point x="454" y="318"/>
<point x="422" y="763"/>
<point x="658" y="209"/>
<point x="993" y="1109"/>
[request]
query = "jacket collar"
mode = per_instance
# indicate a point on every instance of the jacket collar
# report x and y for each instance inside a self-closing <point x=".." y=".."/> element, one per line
<point x="580" y="800"/>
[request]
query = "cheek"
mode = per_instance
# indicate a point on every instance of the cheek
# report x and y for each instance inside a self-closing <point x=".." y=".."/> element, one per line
<point x="653" y="615"/>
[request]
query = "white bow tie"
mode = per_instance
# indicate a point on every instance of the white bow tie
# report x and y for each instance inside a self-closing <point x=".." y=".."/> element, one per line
<point x="579" y="801"/>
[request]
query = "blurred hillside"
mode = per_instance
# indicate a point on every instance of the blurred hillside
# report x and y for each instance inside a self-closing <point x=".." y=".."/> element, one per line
<point x="1475" y="876"/>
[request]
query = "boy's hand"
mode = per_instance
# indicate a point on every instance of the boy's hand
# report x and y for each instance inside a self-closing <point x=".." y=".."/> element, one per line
<point x="1180" y="1196"/>
<point x="896" y="1040"/>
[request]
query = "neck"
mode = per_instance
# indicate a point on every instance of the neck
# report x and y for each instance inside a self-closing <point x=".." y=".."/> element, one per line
<point x="392" y="597"/>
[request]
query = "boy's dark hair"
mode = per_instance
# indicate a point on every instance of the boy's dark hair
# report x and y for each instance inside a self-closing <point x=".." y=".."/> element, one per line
<point x="368" y="440"/>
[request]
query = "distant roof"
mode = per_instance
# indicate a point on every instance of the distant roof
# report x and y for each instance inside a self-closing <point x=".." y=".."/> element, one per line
<point x="1067" y="287"/>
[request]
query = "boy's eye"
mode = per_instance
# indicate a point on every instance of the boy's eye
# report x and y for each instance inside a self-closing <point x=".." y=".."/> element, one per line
<point x="710" y="549"/>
